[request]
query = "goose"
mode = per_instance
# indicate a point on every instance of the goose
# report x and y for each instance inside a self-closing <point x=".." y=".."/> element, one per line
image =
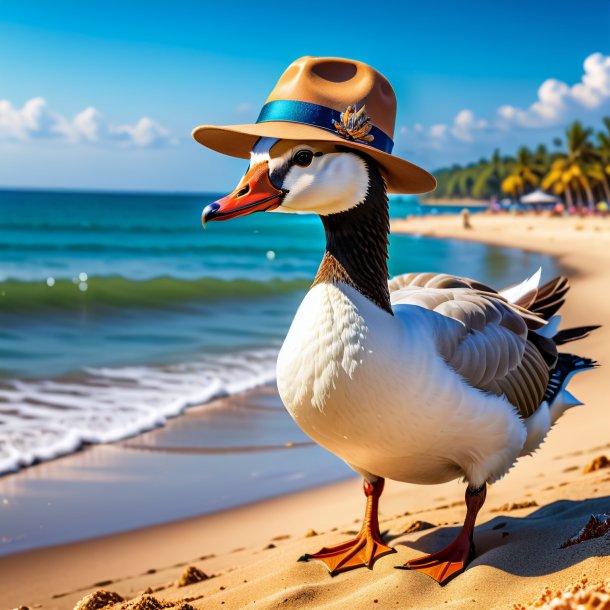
<point x="425" y="378"/>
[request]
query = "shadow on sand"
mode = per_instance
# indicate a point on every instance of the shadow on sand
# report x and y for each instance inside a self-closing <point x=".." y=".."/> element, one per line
<point x="528" y="546"/>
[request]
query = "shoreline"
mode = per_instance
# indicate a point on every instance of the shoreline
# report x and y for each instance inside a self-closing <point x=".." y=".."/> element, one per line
<point x="449" y="226"/>
<point x="449" y="202"/>
<point x="229" y="546"/>
<point x="104" y="489"/>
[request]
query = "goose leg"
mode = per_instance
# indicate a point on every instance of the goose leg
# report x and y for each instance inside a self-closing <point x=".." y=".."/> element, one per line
<point x="451" y="561"/>
<point x="366" y="547"/>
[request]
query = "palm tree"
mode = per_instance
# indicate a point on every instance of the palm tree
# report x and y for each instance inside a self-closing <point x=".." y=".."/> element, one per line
<point x="489" y="179"/>
<point x="513" y="185"/>
<point x="561" y="180"/>
<point x="569" y="173"/>
<point x="580" y="152"/>
<point x="452" y="187"/>
<point x="542" y="160"/>
<point x="600" y="170"/>
<point x="460" y="180"/>
<point x="522" y="173"/>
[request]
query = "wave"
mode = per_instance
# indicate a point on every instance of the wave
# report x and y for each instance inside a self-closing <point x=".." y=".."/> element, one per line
<point x="117" y="291"/>
<point x="42" y="420"/>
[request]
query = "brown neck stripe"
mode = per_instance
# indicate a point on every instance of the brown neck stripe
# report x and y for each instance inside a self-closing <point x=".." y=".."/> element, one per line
<point x="357" y="243"/>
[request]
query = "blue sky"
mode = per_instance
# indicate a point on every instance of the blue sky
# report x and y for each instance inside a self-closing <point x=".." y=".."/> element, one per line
<point x="104" y="95"/>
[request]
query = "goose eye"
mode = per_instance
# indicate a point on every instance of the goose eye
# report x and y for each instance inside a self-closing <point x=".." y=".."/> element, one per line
<point x="303" y="158"/>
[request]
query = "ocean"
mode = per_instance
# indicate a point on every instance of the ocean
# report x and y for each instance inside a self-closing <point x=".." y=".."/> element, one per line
<point x="118" y="312"/>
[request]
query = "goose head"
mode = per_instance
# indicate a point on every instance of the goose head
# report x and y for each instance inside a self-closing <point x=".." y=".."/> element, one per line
<point x="296" y="177"/>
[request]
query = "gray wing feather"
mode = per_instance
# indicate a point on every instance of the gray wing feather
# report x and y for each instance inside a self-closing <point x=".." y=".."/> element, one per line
<point x="489" y="346"/>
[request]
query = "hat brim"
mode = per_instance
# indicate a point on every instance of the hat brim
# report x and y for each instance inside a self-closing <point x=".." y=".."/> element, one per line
<point x="237" y="141"/>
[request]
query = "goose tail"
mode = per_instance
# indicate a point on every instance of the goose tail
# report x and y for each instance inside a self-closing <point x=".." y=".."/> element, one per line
<point x="557" y="396"/>
<point x="545" y="302"/>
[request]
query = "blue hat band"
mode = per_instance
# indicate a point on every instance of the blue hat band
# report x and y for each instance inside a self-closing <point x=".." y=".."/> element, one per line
<point x="306" y="113"/>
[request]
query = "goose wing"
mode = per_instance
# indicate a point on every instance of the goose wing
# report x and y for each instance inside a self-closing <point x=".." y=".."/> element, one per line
<point x="487" y="340"/>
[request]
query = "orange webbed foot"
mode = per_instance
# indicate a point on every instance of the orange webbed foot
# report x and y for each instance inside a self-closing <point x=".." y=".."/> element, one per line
<point x="361" y="551"/>
<point x="451" y="561"/>
<point x="446" y="564"/>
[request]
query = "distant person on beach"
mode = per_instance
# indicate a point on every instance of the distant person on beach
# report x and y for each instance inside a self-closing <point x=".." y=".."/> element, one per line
<point x="466" y="219"/>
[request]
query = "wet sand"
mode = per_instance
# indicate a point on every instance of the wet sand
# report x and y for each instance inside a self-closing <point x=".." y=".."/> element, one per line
<point x="220" y="455"/>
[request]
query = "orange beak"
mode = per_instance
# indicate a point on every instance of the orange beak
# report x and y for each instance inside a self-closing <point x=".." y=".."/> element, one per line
<point x="255" y="193"/>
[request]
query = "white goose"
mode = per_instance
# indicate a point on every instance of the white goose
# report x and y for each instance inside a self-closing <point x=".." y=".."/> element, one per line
<point x="424" y="379"/>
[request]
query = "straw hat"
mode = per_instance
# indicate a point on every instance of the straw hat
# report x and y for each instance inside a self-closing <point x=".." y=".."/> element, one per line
<point x="332" y="100"/>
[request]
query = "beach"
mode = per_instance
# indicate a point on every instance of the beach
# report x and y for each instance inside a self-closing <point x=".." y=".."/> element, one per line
<point x="246" y="556"/>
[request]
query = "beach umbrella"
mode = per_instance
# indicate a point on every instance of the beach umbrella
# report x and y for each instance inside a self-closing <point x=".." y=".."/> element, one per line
<point x="538" y="197"/>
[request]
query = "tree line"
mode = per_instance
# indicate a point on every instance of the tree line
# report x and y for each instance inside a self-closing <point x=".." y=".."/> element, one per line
<point x="577" y="169"/>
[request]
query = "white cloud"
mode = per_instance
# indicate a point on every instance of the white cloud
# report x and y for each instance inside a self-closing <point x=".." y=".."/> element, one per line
<point x="146" y="133"/>
<point x="35" y="120"/>
<point x="439" y="131"/>
<point x="87" y="125"/>
<point x="556" y="104"/>
<point x="466" y="125"/>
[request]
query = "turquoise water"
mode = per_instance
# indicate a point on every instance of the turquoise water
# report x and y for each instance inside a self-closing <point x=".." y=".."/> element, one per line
<point x="118" y="311"/>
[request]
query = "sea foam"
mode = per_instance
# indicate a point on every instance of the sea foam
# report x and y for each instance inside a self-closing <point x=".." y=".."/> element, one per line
<point x="44" y="419"/>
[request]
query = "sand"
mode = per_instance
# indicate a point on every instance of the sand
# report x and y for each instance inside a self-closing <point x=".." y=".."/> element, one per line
<point x="248" y="555"/>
